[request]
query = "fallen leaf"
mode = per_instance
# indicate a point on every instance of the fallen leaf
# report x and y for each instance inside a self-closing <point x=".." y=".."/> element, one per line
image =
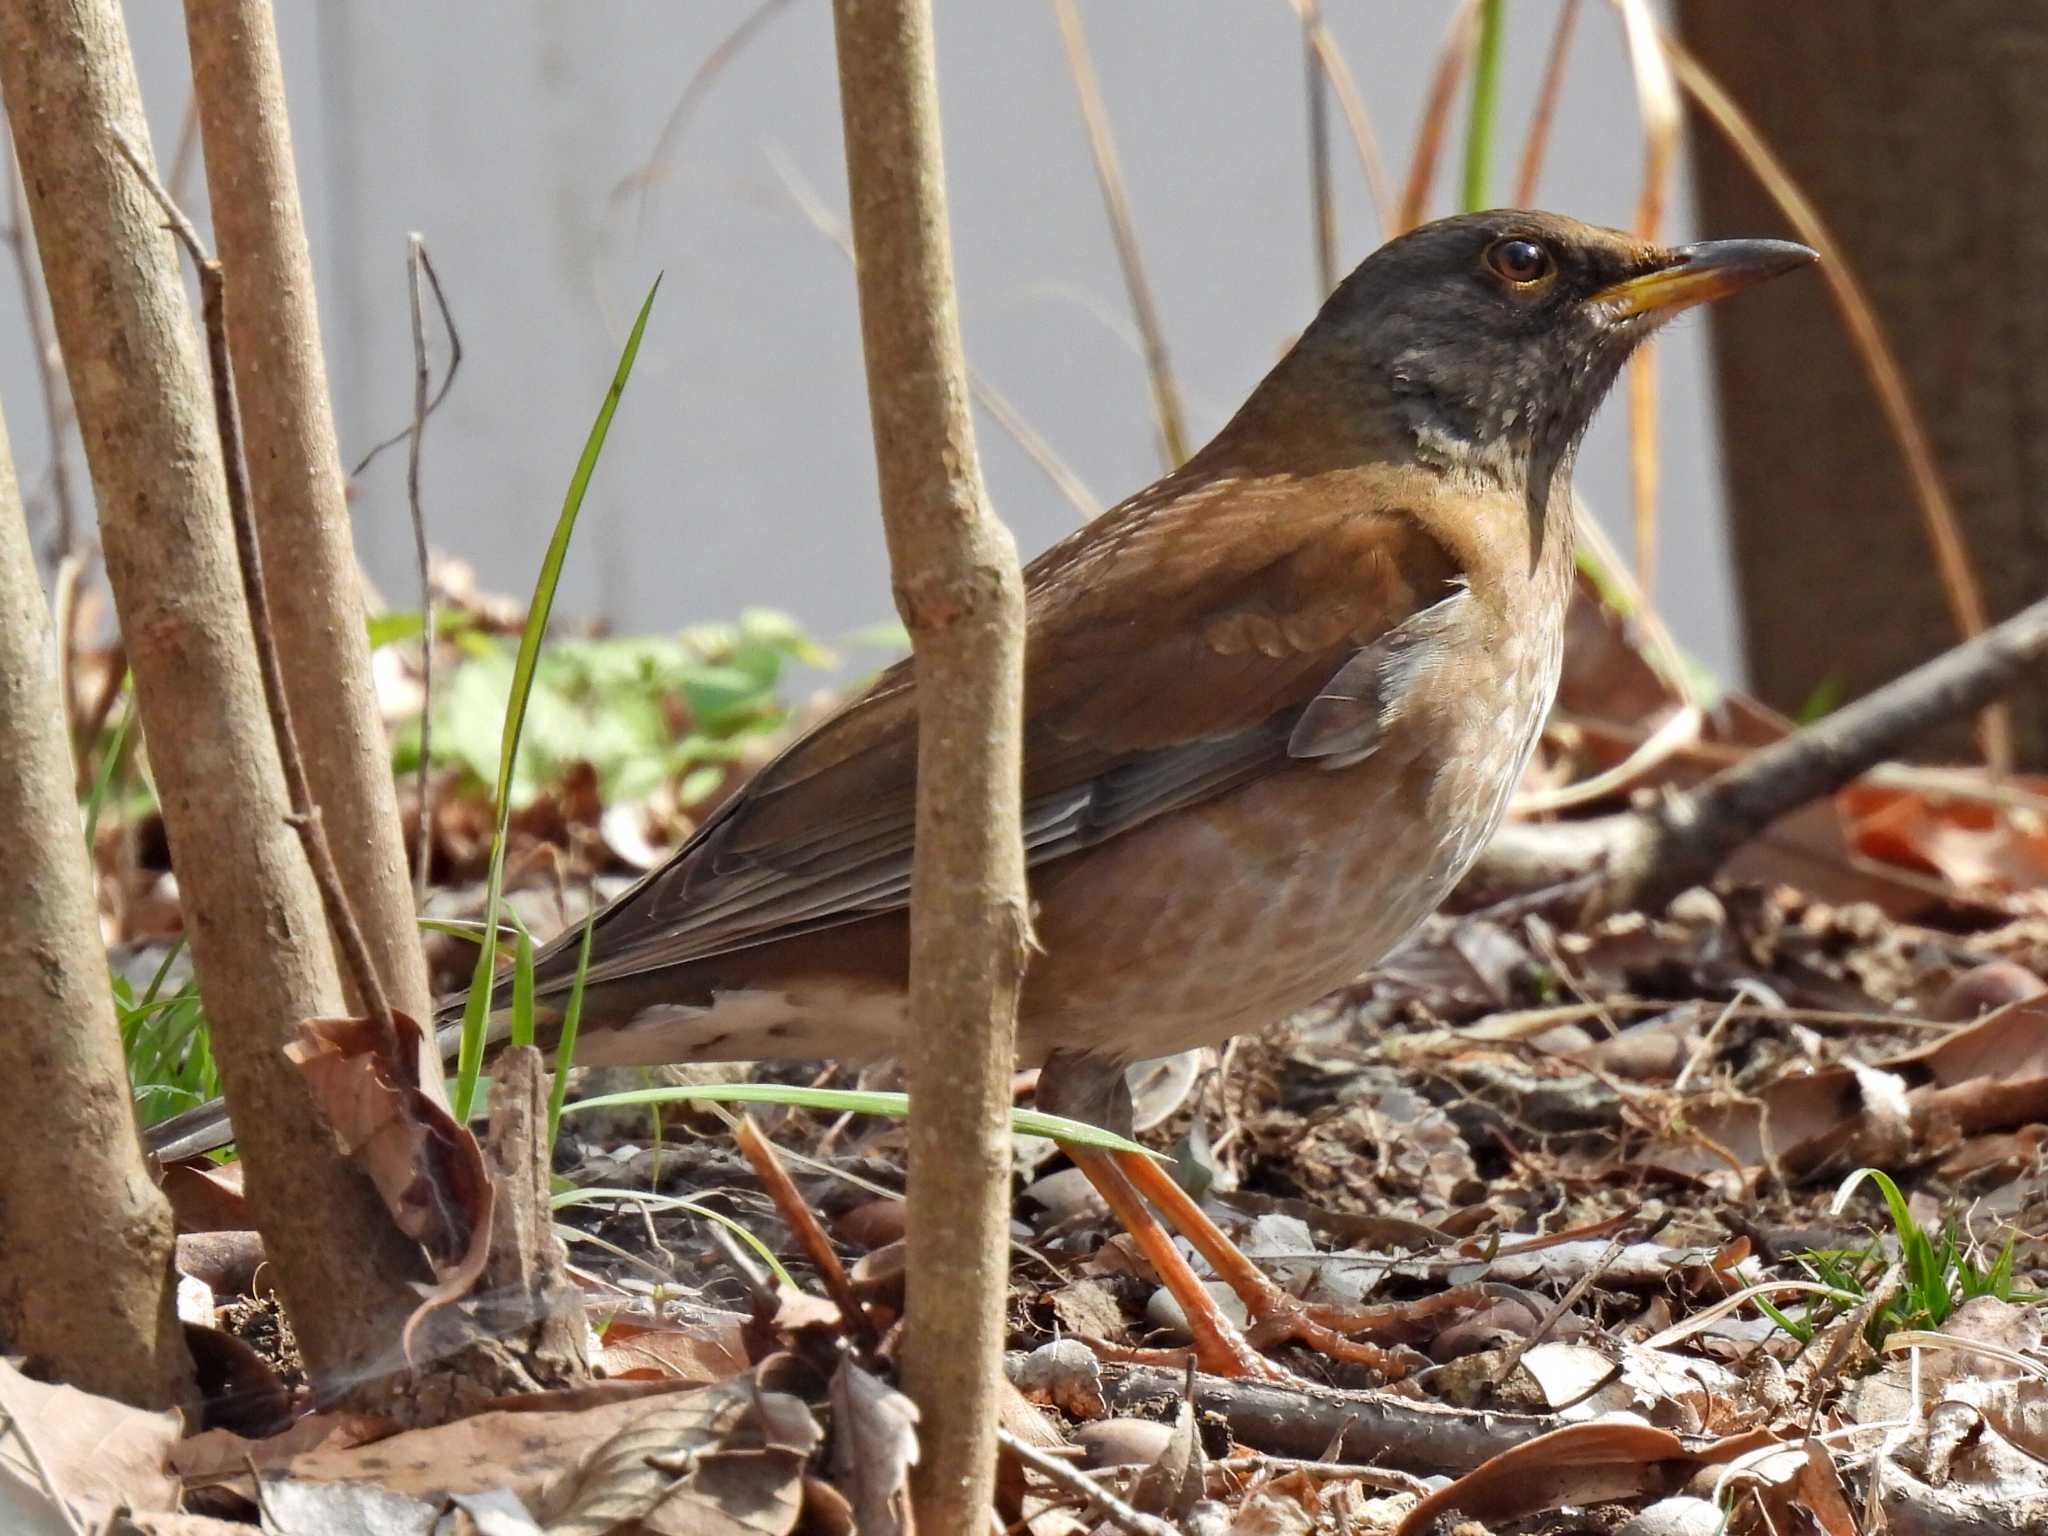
<point x="874" y="1446"/>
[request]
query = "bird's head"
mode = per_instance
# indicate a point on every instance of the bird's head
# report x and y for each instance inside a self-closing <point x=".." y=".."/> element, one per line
<point x="1491" y="338"/>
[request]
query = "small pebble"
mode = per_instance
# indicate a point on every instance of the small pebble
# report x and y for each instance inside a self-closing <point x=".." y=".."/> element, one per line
<point x="1164" y="1313"/>
<point x="1122" y="1442"/>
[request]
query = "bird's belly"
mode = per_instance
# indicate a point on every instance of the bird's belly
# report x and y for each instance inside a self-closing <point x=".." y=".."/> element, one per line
<point x="1225" y="918"/>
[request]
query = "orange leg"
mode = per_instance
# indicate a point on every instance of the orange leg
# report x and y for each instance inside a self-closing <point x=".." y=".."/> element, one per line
<point x="1220" y="1347"/>
<point x="1276" y="1317"/>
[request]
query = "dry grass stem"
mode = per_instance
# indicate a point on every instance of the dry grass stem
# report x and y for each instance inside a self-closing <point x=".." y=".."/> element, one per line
<point x="1460" y="39"/>
<point x="1536" y="143"/>
<point x="1173" y="438"/>
<point x="1322" y="206"/>
<point x="415" y="260"/>
<point x="1657" y="106"/>
<point x="642" y="181"/>
<point x="1001" y="410"/>
<point x="1343" y="84"/>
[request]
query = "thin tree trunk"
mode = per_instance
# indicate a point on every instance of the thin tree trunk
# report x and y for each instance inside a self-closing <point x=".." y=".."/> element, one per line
<point x="87" y="1290"/>
<point x="1921" y="133"/>
<point x="257" y="933"/>
<point x="954" y="568"/>
<point x="295" y="478"/>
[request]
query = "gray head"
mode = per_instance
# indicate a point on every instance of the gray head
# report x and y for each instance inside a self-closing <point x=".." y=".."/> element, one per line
<point x="1493" y="337"/>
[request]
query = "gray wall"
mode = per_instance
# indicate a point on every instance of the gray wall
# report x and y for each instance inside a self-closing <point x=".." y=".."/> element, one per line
<point x="739" y="471"/>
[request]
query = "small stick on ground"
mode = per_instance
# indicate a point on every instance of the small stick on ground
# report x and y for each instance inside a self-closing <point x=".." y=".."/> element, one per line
<point x="804" y="1225"/>
<point x="1124" y="1517"/>
<point x="1641" y="859"/>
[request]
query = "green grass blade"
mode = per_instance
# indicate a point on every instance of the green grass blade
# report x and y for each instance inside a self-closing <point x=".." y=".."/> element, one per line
<point x="470" y="1059"/>
<point x="1485" y="102"/>
<point x="522" y="988"/>
<point x="565" y="1044"/>
<point x="110" y="764"/>
<point x="894" y="1106"/>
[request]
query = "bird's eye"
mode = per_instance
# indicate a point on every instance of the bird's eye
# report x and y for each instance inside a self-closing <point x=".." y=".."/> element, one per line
<point x="1518" y="260"/>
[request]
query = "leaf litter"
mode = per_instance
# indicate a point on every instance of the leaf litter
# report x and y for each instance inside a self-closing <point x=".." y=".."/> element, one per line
<point x="1576" y="1182"/>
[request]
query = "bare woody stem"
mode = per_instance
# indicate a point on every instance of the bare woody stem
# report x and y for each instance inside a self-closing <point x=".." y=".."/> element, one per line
<point x="305" y="815"/>
<point x="293" y="469"/>
<point x="957" y="585"/>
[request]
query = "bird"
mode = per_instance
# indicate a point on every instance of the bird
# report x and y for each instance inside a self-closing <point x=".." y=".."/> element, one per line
<point x="1274" y="706"/>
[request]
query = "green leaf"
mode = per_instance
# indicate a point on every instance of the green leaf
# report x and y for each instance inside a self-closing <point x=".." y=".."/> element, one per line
<point x="894" y="1106"/>
<point x="478" y="1005"/>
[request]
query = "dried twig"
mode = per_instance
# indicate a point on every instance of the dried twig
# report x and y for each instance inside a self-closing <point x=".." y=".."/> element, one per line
<point x="305" y="815"/>
<point x="1643" y="858"/>
<point x="1125" y="1517"/>
<point x="1537" y="141"/>
<point x="804" y="1226"/>
<point x="1322" y="207"/>
<point x="1351" y="102"/>
<point x="404" y="433"/>
<point x="416" y="261"/>
<point x="1109" y="175"/>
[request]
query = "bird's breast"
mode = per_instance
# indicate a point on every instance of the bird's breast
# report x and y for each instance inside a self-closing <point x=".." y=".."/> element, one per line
<point x="1225" y="917"/>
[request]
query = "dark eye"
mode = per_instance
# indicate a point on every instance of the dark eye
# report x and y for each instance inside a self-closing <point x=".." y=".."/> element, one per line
<point x="1519" y="261"/>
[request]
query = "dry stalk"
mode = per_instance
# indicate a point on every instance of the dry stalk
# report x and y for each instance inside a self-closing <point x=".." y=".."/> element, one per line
<point x="1536" y="143"/>
<point x="804" y="1225"/>
<point x="1460" y="39"/>
<point x="1351" y="102"/>
<point x="1173" y="438"/>
<point x="961" y="595"/>
<point x="305" y="815"/>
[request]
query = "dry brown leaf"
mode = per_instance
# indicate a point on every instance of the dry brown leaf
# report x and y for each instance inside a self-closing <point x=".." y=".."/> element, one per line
<point x="207" y="1197"/>
<point x="726" y="1459"/>
<point x="751" y="1484"/>
<point x="98" y="1455"/>
<point x="1989" y="1076"/>
<point x="704" y="1350"/>
<point x="1579" y="1464"/>
<point x="1172" y="1485"/>
<point x="1974" y="845"/>
<point x="393" y="1124"/>
<point x="874" y="1446"/>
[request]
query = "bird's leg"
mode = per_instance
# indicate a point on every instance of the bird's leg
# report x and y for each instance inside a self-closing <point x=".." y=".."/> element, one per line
<point x="1276" y="1317"/>
<point x="1220" y="1346"/>
<point x="1091" y="1089"/>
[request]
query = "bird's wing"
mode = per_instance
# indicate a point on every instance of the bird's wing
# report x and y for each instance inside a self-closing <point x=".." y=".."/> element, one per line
<point x="1186" y="643"/>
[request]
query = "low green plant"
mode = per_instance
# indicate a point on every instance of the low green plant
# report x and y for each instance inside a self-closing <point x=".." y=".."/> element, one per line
<point x="640" y="710"/>
<point x="164" y="1038"/>
<point x="1941" y="1271"/>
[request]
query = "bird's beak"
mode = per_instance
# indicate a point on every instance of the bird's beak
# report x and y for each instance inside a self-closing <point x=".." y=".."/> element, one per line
<point x="1695" y="274"/>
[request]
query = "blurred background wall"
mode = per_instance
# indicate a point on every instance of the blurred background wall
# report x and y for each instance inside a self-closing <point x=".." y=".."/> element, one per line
<point x="740" y="472"/>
